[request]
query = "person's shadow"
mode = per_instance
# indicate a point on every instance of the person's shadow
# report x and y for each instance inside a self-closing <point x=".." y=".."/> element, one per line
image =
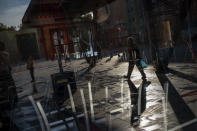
<point x="134" y="92"/>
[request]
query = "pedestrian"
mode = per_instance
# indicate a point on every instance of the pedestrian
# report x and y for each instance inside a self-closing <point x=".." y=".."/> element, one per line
<point x="30" y="67"/>
<point x="7" y="85"/>
<point x="8" y="94"/>
<point x="4" y="63"/>
<point x="134" y="58"/>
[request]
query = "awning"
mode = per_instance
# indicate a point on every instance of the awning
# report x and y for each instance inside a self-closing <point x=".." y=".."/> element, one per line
<point x="67" y="9"/>
<point x="83" y="6"/>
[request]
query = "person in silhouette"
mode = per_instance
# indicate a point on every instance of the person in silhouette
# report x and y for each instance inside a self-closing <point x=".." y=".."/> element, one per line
<point x="134" y="58"/>
<point x="30" y="67"/>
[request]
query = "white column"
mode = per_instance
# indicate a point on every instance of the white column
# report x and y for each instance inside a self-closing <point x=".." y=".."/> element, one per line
<point x="129" y="103"/>
<point x="139" y="99"/>
<point x="85" y="110"/>
<point x="91" y="102"/>
<point x="122" y="86"/>
<point x="167" y="85"/>
<point x="106" y="94"/>
<point x="71" y="99"/>
<point x="164" y="113"/>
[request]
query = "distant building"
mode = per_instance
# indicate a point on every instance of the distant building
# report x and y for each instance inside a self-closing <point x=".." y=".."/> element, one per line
<point x="28" y="43"/>
<point x="47" y="18"/>
<point x="9" y="38"/>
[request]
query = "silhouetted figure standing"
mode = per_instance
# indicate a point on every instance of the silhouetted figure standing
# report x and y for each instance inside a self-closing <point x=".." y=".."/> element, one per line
<point x="30" y="67"/>
<point x="8" y="94"/>
<point x="134" y="58"/>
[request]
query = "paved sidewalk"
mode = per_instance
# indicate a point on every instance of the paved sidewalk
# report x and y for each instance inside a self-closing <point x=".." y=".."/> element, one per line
<point x="109" y="74"/>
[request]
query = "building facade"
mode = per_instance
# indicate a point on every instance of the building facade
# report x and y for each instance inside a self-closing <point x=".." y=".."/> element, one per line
<point x="47" y="17"/>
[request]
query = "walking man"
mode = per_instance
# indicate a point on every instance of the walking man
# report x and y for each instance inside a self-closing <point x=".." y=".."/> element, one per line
<point x="134" y="58"/>
<point x="30" y="67"/>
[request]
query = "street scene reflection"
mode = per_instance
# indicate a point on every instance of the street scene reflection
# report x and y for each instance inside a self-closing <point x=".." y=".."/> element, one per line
<point x="98" y="65"/>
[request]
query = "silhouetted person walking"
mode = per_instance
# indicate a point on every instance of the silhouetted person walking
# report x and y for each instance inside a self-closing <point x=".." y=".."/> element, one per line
<point x="30" y="67"/>
<point x="134" y="58"/>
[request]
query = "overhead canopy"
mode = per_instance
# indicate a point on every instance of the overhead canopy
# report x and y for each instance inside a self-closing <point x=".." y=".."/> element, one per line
<point x="68" y="9"/>
<point x="83" y="6"/>
<point x="38" y="8"/>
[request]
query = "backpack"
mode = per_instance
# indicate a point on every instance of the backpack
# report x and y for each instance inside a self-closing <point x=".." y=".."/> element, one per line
<point x="143" y="64"/>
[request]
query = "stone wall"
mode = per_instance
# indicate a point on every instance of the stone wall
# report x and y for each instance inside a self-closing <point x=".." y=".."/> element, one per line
<point x="9" y="38"/>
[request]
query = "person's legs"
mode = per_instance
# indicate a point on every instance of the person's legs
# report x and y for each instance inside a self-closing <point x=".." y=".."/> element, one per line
<point x="32" y="74"/>
<point x="130" y="69"/>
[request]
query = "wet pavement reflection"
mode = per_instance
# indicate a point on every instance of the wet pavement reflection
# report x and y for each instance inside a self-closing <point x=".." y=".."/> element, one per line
<point x="114" y="99"/>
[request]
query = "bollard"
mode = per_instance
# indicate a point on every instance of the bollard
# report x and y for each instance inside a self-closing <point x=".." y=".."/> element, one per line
<point x="122" y="85"/>
<point x="139" y="99"/>
<point x="85" y="110"/>
<point x="106" y="114"/>
<point x="164" y="113"/>
<point x="167" y="85"/>
<point x="71" y="99"/>
<point x="91" y="102"/>
<point x="37" y="112"/>
<point x="106" y="94"/>
<point x="43" y="116"/>
<point x="129" y="97"/>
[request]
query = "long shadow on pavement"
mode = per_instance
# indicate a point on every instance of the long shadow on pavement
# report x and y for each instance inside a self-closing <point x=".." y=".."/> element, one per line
<point x="134" y="99"/>
<point x="182" y="75"/>
<point x="181" y="109"/>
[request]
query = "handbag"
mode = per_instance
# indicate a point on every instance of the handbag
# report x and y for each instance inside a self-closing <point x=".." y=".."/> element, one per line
<point x="143" y="64"/>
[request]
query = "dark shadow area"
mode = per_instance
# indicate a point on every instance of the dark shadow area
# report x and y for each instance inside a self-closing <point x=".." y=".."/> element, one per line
<point x="134" y="99"/>
<point x="182" y="75"/>
<point x="104" y="71"/>
<point x="34" y="88"/>
<point x="192" y="101"/>
<point x="143" y="97"/>
<point x="109" y="59"/>
<point x="189" y="88"/>
<point x="180" y="108"/>
<point x="190" y="93"/>
<point x="60" y="82"/>
<point x="84" y="71"/>
<point x="60" y="114"/>
<point x="185" y="66"/>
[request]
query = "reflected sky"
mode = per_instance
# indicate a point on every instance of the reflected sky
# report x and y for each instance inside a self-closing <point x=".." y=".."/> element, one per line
<point x="12" y="11"/>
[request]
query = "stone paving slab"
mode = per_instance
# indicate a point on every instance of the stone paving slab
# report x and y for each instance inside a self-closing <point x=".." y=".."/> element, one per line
<point x="106" y="74"/>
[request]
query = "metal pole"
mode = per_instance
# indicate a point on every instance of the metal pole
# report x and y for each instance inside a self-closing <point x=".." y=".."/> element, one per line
<point x="167" y="96"/>
<point x="85" y="110"/>
<point x="122" y="85"/>
<point x="91" y="102"/>
<point x="37" y="112"/>
<point x="59" y="59"/>
<point x="71" y="99"/>
<point x="164" y="113"/>
<point x="139" y="99"/>
<point x="43" y="116"/>
<point x="106" y="94"/>
<point x="106" y="112"/>
<point x="129" y="102"/>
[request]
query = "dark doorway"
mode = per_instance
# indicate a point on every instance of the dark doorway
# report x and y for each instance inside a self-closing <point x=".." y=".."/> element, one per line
<point x="27" y="45"/>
